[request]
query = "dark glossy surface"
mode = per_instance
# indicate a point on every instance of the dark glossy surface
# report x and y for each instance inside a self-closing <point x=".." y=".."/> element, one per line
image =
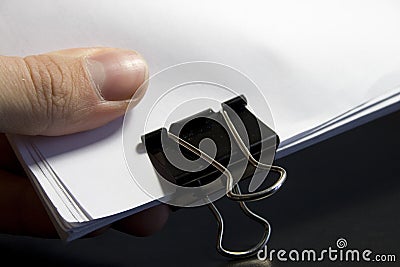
<point x="345" y="187"/>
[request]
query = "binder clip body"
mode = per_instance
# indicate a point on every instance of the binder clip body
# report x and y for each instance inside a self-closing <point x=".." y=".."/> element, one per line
<point x="235" y="146"/>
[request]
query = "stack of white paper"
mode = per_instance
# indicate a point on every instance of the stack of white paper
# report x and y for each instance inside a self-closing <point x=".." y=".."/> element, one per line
<point x="323" y="67"/>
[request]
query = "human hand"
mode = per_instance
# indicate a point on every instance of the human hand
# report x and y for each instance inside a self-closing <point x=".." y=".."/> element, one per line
<point x="60" y="93"/>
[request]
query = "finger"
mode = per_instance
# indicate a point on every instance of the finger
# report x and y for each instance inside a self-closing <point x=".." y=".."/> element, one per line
<point x="68" y="91"/>
<point x="23" y="213"/>
<point x="8" y="160"/>
<point x="146" y="222"/>
<point x="21" y="209"/>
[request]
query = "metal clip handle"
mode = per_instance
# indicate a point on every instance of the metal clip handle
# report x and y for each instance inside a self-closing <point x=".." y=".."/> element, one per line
<point x="236" y="195"/>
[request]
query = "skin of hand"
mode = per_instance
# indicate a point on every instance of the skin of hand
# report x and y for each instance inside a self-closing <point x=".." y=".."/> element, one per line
<point x="60" y="93"/>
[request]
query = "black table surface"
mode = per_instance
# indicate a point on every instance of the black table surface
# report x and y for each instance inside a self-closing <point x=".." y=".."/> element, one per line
<point x="345" y="187"/>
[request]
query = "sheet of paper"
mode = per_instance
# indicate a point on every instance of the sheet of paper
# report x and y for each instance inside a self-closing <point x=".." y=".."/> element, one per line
<point x="313" y="60"/>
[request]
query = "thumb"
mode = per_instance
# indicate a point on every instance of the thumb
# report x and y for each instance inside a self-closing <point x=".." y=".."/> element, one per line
<point x="68" y="91"/>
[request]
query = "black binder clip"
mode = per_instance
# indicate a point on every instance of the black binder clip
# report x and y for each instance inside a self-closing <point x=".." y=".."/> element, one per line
<point x="189" y="132"/>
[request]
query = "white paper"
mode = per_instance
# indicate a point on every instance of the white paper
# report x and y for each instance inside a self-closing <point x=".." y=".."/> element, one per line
<point x="313" y="60"/>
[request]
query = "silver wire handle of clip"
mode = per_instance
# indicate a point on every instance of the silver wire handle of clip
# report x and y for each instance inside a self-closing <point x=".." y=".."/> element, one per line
<point x="235" y="193"/>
